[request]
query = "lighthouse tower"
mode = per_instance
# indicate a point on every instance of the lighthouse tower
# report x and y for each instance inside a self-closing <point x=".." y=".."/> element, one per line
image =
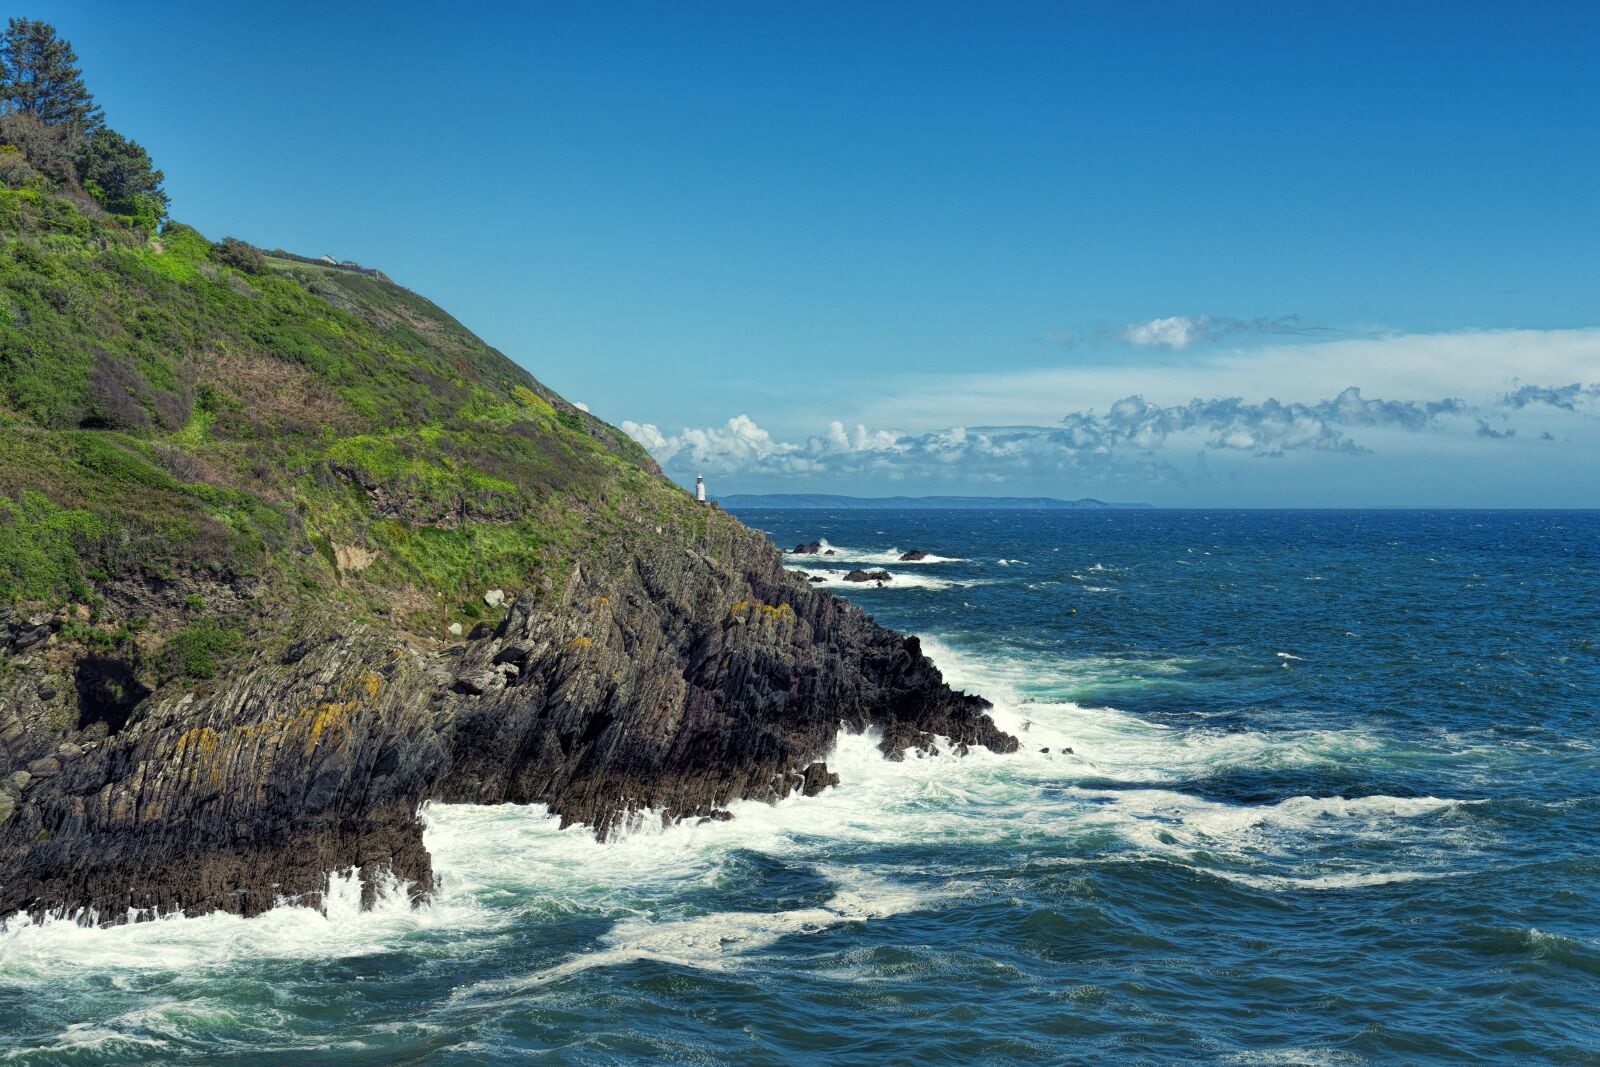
<point x="700" y="489"/>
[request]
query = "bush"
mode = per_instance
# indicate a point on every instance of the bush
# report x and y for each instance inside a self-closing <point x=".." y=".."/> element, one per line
<point x="194" y="651"/>
<point x="50" y="150"/>
<point x="241" y="255"/>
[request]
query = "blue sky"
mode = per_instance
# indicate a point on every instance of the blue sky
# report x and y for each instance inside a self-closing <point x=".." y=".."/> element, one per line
<point x="1122" y="250"/>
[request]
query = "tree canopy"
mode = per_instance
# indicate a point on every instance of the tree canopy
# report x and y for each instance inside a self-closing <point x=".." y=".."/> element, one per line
<point x="48" y="114"/>
<point x="118" y="173"/>
<point x="40" y="74"/>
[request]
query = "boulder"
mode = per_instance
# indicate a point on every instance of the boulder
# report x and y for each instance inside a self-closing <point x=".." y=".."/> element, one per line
<point x="807" y="548"/>
<point x="818" y="778"/>
<point x="476" y="683"/>
<point x="913" y="556"/>
<point x="30" y="636"/>
<point x="44" y="768"/>
<point x="495" y="597"/>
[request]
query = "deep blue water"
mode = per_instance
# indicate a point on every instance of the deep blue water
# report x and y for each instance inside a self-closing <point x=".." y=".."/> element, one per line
<point x="1330" y="798"/>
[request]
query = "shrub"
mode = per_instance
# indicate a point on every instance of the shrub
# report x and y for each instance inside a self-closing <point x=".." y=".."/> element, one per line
<point x="51" y="150"/>
<point x="194" y="651"/>
<point x="241" y="255"/>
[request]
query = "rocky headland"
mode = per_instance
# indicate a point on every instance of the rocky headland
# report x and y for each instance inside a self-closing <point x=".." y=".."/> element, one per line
<point x="286" y="552"/>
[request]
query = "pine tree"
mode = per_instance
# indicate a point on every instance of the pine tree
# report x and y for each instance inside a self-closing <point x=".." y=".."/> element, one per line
<point x="39" y="73"/>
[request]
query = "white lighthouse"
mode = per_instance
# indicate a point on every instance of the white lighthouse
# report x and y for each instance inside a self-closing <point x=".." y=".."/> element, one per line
<point x="700" y="489"/>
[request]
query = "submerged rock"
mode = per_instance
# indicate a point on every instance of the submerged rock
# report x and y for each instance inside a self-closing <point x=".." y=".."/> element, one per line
<point x="913" y="556"/>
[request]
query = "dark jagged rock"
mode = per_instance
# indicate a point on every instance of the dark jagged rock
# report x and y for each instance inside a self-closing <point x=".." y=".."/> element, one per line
<point x="28" y="636"/>
<point x="658" y="678"/>
<point x="808" y="548"/>
<point x="913" y="556"/>
<point x="869" y="576"/>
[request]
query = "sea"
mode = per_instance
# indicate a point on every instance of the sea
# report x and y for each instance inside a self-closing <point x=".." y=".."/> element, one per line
<point x="1295" y="787"/>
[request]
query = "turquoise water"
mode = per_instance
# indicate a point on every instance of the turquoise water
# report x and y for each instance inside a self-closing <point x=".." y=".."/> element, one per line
<point x="1330" y="798"/>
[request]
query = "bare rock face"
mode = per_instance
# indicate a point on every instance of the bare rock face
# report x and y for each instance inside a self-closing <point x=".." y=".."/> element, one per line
<point x="660" y="681"/>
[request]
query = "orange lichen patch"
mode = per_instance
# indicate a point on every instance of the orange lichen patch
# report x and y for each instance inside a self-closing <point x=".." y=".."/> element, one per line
<point x="324" y="718"/>
<point x="202" y="739"/>
<point x="370" y="682"/>
<point x="578" y="642"/>
<point x="767" y="612"/>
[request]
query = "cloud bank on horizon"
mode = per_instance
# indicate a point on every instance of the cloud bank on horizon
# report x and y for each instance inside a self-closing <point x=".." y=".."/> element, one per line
<point x="1417" y="418"/>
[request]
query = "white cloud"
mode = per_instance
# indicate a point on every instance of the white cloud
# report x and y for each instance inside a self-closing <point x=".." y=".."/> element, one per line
<point x="1175" y="331"/>
<point x="1180" y="331"/>
<point x="1453" y="411"/>
<point x="1127" y="439"/>
<point x="1478" y="366"/>
<point x="580" y="405"/>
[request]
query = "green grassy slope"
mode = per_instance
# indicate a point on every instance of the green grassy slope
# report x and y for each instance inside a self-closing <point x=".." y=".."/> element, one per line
<point x="168" y="419"/>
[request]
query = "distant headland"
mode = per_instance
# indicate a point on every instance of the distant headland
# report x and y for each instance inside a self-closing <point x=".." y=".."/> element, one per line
<point x="816" y="501"/>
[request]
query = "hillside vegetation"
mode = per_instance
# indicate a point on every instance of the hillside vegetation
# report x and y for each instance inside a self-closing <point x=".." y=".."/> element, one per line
<point x="166" y="415"/>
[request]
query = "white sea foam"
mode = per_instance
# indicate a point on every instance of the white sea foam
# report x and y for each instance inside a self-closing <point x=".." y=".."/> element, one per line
<point x="83" y="1038"/>
<point x="844" y="554"/>
<point x="718" y="940"/>
<point x="1119" y="746"/>
<point x="833" y="578"/>
<point x="507" y="865"/>
<point x="33" y="951"/>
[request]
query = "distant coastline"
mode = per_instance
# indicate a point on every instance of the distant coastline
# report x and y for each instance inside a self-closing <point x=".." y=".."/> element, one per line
<point x="827" y="501"/>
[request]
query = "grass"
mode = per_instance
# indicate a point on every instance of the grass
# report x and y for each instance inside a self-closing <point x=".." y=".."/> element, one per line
<point x="164" y="415"/>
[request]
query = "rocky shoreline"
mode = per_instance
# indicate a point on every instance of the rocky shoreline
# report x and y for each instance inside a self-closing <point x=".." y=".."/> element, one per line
<point x="665" y="678"/>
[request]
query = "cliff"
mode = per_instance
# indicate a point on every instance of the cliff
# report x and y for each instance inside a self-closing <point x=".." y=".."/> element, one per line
<point x="286" y="551"/>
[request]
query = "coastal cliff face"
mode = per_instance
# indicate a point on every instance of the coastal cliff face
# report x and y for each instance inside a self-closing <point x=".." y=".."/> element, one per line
<point x="247" y="526"/>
